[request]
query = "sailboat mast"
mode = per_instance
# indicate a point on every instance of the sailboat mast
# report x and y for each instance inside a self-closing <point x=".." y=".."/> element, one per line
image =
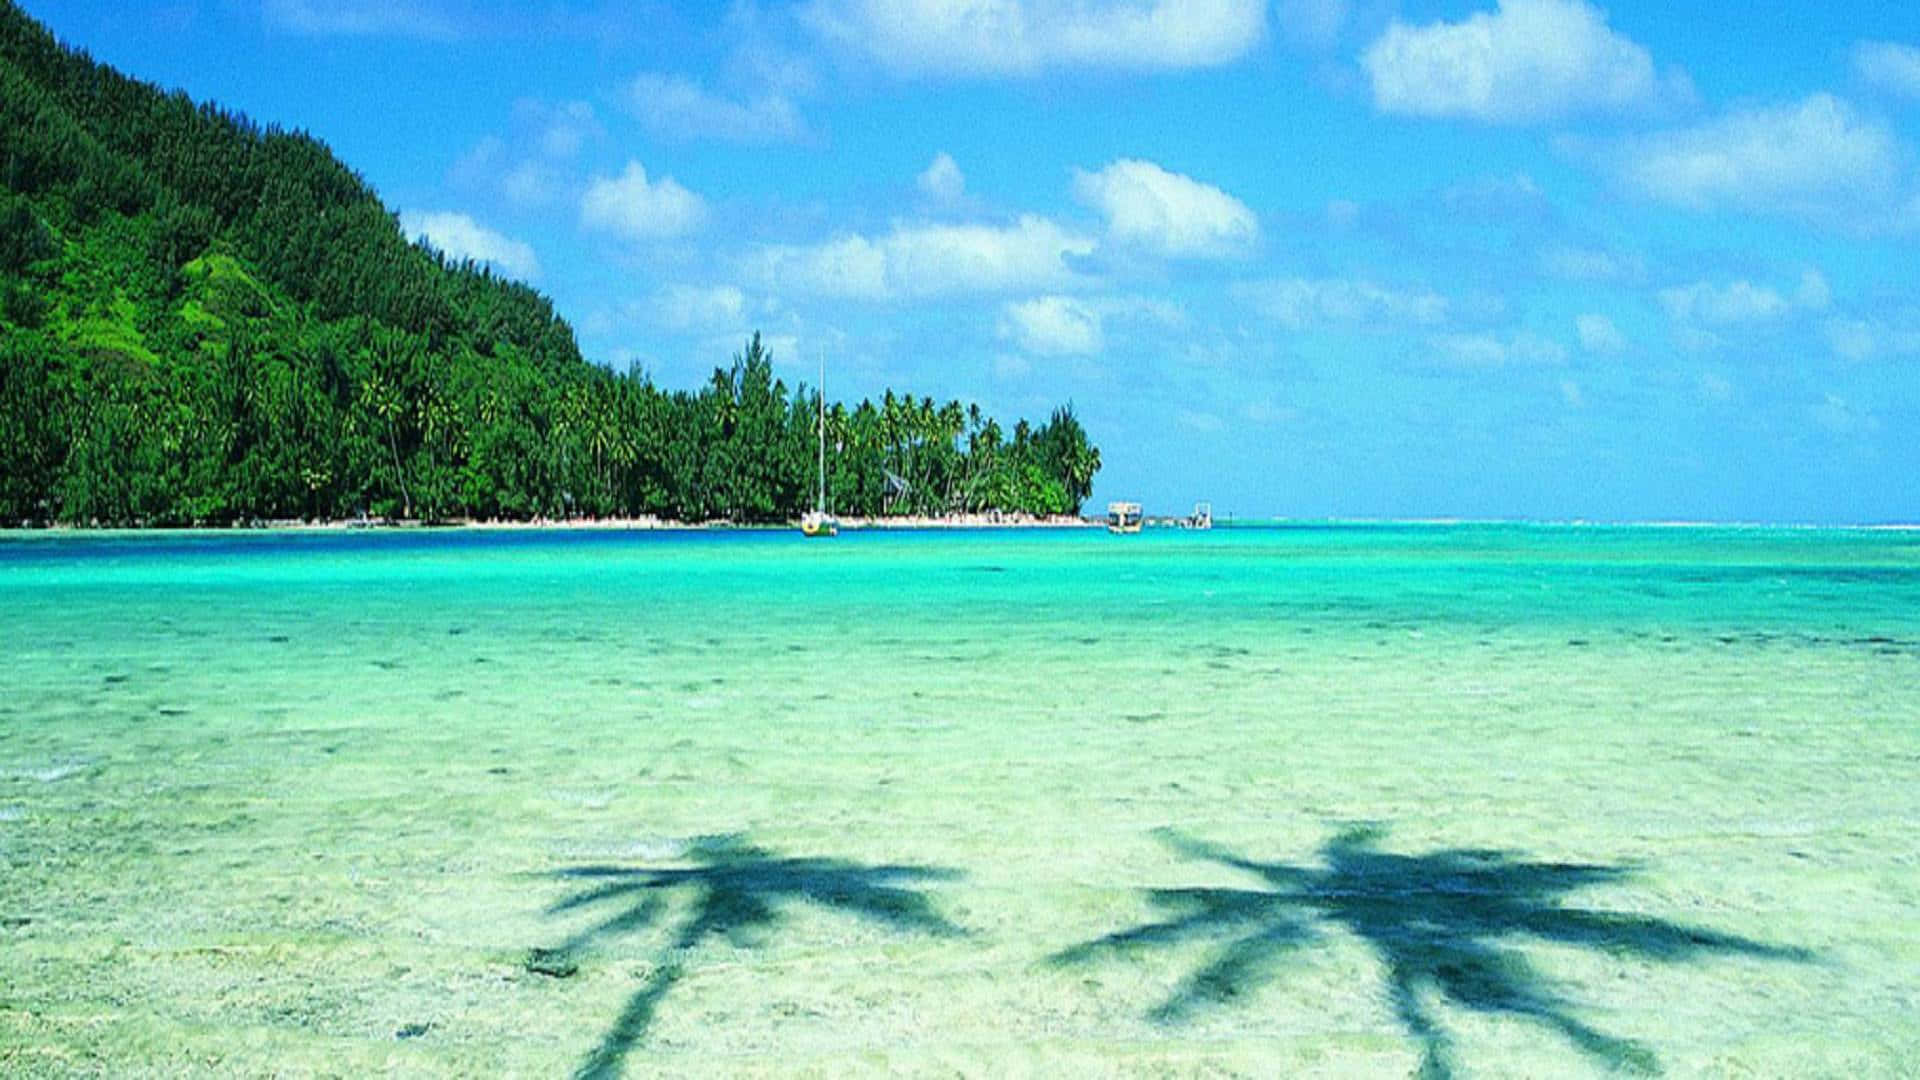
<point x="820" y="494"/>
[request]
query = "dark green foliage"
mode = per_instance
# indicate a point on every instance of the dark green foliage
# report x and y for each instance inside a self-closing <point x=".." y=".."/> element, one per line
<point x="206" y="322"/>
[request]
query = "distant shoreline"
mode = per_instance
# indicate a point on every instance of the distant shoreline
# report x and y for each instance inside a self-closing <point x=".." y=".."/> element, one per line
<point x="957" y="522"/>
<point x="632" y="524"/>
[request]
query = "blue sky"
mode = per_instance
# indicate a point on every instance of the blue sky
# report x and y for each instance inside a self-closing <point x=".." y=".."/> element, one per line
<point x="1311" y="258"/>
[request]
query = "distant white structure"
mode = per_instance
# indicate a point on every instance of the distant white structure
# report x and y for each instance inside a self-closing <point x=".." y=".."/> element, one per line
<point x="1123" y="517"/>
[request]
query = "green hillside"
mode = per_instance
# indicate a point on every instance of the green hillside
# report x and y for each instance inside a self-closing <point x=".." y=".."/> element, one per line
<point x="203" y="321"/>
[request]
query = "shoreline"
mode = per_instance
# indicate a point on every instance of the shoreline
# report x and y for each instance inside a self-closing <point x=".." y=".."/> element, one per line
<point x="629" y="524"/>
<point x="905" y="523"/>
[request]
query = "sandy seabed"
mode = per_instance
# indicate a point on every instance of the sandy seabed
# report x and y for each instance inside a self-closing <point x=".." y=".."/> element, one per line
<point x="1055" y="804"/>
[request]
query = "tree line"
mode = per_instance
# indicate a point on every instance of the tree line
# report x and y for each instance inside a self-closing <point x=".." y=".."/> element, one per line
<point x="203" y="321"/>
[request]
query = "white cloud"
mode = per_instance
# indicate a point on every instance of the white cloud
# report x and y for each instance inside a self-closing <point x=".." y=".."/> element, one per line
<point x="699" y="307"/>
<point x="1817" y="158"/>
<point x="1723" y="305"/>
<point x="639" y="209"/>
<point x="1487" y="351"/>
<point x="1695" y="340"/>
<point x="1263" y="411"/>
<point x="927" y="260"/>
<point x="1861" y="339"/>
<point x="679" y="108"/>
<point x="530" y="183"/>
<point x="1499" y="198"/>
<point x="1841" y="417"/>
<point x="1300" y="303"/>
<point x="460" y="237"/>
<point x="556" y="131"/>
<point x="357" y="18"/>
<point x="943" y="182"/>
<point x="1076" y="326"/>
<point x="1889" y="65"/>
<point x="1053" y="326"/>
<point x="1586" y="264"/>
<point x="1532" y="60"/>
<point x="1026" y="37"/>
<point x="1205" y="423"/>
<point x="1009" y="366"/>
<point x="1852" y="339"/>
<point x="1598" y="334"/>
<point x="1814" y="293"/>
<point x="1166" y="212"/>
<point x="522" y="166"/>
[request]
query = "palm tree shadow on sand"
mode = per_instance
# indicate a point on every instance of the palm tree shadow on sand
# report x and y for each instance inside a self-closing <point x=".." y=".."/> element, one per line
<point x="1441" y="923"/>
<point x="735" y="890"/>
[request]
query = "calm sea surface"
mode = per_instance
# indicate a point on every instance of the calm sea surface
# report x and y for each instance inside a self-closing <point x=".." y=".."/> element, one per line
<point x="1479" y="800"/>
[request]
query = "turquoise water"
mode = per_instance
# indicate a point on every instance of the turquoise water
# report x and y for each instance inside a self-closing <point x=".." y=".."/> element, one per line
<point x="1478" y="800"/>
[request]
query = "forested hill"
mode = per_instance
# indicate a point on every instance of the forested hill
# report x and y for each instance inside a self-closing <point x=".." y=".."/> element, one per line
<point x="203" y="321"/>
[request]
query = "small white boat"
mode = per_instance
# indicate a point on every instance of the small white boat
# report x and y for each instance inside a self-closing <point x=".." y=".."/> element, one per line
<point x="1123" y="517"/>
<point x="817" y="522"/>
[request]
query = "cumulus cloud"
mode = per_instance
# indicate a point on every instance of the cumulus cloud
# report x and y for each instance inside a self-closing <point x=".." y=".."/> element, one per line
<point x="1589" y="264"/>
<point x="557" y="131"/>
<point x="1008" y="366"/>
<point x="676" y="107"/>
<point x="1076" y="325"/>
<point x="698" y="307"/>
<point x="522" y="166"/>
<point x="1498" y="198"/>
<point x="1053" y="326"/>
<point x="1889" y="65"/>
<point x="1479" y="352"/>
<point x="1862" y="339"/>
<point x="460" y="237"/>
<point x="1723" y="305"/>
<point x="358" y="18"/>
<point x="637" y="208"/>
<point x="1263" y="411"/>
<point x="1027" y="37"/>
<point x="1167" y="213"/>
<point x="1598" y="335"/>
<point x="1814" y="292"/>
<point x="1529" y="61"/>
<point x="928" y="260"/>
<point x="531" y="183"/>
<point x="1205" y="423"/>
<point x="1817" y="158"/>
<point x="1852" y="339"/>
<point x="943" y="182"/>
<point x="1842" y="417"/>
<point x="1301" y="303"/>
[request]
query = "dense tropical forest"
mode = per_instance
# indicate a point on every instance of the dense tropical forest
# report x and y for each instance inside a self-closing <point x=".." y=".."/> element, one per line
<point x="203" y="321"/>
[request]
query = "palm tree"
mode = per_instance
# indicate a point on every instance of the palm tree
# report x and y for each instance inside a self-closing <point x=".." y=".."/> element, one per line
<point x="382" y="400"/>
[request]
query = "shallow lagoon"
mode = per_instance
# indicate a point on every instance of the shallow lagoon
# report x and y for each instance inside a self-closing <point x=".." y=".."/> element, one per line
<point x="1478" y="800"/>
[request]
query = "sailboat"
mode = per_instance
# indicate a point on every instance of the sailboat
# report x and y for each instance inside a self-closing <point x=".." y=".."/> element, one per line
<point x="817" y="522"/>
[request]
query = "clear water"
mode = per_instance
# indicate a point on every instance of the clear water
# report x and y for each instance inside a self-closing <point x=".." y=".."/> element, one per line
<point x="1473" y="800"/>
